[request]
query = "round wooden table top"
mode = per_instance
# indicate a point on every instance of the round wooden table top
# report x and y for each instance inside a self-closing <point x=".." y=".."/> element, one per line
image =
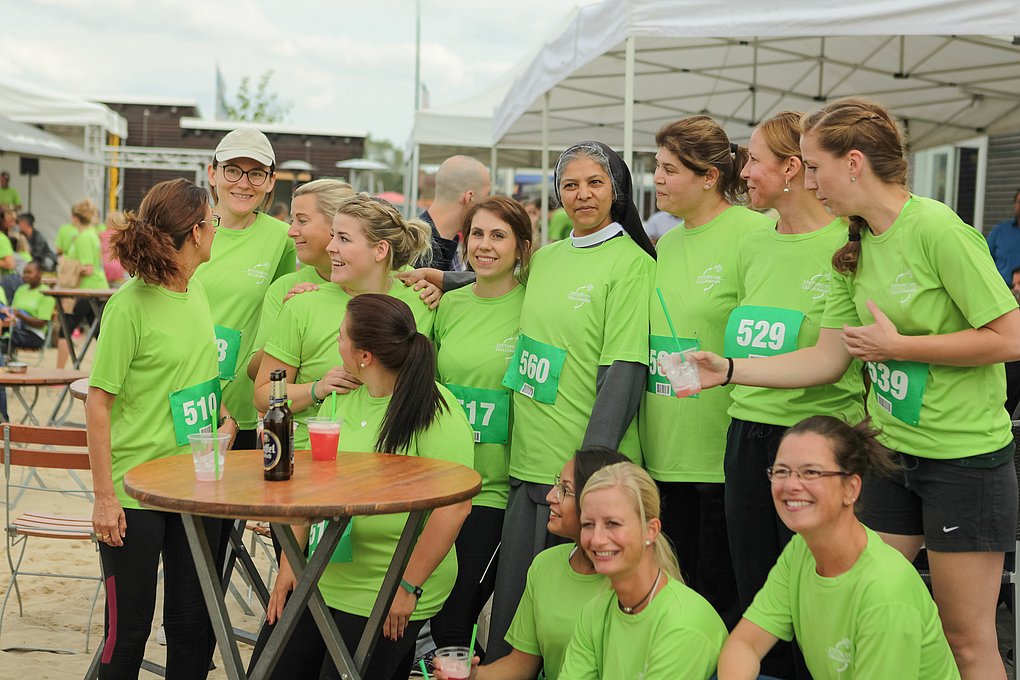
<point x="354" y="484"/>
<point x="41" y="376"/>
<point x="80" y="389"/>
<point x="80" y="292"/>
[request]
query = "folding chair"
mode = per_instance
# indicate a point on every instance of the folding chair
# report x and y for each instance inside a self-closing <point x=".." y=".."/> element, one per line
<point x="49" y="448"/>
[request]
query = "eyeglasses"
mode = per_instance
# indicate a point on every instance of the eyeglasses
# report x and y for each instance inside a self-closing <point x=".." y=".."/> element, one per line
<point x="782" y="473"/>
<point x="214" y="221"/>
<point x="561" y="490"/>
<point x="256" y="176"/>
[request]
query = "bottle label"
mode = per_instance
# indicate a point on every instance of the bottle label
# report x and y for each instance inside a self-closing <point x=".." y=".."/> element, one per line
<point x="272" y="450"/>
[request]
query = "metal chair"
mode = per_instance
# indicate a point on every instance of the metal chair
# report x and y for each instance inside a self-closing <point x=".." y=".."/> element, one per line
<point x="49" y="448"/>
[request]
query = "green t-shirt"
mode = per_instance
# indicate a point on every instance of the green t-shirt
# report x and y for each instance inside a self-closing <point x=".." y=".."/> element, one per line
<point x="876" y="620"/>
<point x="305" y="337"/>
<point x="560" y="225"/>
<point x="87" y="250"/>
<point x="6" y="249"/>
<point x="793" y="272"/>
<point x="243" y="264"/>
<point x="932" y="274"/>
<point x="353" y="586"/>
<point x="475" y="338"/>
<point x="581" y="300"/>
<point x="677" y="635"/>
<point x="9" y="196"/>
<point x="33" y="302"/>
<point x="553" y="597"/>
<point x="154" y="342"/>
<point x="272" y="304"/>
<point x="697" y="270"/>
<point x="65" y="237"/>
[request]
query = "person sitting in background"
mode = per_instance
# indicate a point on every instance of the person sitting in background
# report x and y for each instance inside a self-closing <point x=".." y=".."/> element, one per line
<point x="280" y="211"/>
<point x="31" y="311"/>
<point x="38" y="248"/>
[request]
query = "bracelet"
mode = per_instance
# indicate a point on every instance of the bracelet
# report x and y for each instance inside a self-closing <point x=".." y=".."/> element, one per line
<point x="314" y="398"/>
<point x="224" y="419"/>
<point x="729" y="373"/>
<point x="414" y="590"/>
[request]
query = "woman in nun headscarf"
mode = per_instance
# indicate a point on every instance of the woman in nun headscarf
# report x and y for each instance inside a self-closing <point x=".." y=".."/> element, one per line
<point x="581" y="357"/>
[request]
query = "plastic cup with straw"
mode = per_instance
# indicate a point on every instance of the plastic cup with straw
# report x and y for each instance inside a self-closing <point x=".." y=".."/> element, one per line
<point x="681" y="374"/>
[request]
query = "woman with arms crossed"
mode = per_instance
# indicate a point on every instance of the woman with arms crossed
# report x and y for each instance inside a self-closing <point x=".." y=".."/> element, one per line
<point x="917" y="296"/>
<point x="157" y="340"/>
<point x="857" y="607"/>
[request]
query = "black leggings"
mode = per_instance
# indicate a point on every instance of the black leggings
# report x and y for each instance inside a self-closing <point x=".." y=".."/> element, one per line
<point x="131" y="572"/>
<point x="476" y="575"/>
<point x="305" y="655"/>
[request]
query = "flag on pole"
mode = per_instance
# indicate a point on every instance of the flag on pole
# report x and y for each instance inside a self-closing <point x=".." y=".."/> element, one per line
<point x="425" y="101"/>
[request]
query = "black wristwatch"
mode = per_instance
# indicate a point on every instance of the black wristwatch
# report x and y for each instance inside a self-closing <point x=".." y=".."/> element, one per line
<point x="414" y="590"/>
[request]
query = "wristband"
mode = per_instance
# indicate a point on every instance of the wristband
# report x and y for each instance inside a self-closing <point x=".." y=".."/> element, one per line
<point x="414" y="590"/>
<point x="729" y="373"/>
<point x="314" y="398"/>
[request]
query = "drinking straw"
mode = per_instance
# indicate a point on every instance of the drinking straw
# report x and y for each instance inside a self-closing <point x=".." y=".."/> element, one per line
<point x="471" y="647"/>
<point x="421" y="662"/>
<point x="332" y="405"/>
<point x="669" y="320"/>
<point x="215" y="449"/>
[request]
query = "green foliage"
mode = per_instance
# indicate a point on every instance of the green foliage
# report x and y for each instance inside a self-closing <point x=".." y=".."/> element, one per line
<point x="260" y="105"/>
<point x="385" y="151"/>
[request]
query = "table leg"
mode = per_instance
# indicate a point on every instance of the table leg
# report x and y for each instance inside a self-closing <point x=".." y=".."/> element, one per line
<point x="401" y="555"/>
<point x="62" y="317"/>
<point x="97" y="311"/>
<point x="241" y="554"/>
<point x="213" y="592"/>
<point x="29" y="415"/>
<point x="306" y="593"/>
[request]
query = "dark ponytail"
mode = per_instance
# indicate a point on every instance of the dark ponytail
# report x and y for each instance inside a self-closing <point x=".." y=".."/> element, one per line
<point x="846" y="258"/>
<point x="384" y="326"/>
<point x="148" y="243"/>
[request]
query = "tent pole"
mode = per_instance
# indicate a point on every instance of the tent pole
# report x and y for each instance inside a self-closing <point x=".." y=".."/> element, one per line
<point x="628" y="104"/>
<point x="415" y="169"/>
<point x="545" y="168"/>
<point x="493" y="155"/>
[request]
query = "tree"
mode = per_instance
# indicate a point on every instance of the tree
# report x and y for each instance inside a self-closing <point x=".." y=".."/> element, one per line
<point x="260" y="106"/>
<point x="387" y="152"/>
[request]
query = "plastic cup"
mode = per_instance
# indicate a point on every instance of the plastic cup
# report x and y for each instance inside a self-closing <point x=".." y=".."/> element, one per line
<point x="681" y="373"/>
<point x="324" y="434"/>
<point x="203" y="452"/>
<point x="455" y="662"/>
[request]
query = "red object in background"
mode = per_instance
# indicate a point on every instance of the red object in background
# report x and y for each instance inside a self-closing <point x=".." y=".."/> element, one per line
<point x="114" y="270"/>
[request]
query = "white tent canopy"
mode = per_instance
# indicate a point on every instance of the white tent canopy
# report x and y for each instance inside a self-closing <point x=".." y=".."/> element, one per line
<point x="31" y="104"/>
<point x="948" y="68"/>
<point x="26" y="140"/>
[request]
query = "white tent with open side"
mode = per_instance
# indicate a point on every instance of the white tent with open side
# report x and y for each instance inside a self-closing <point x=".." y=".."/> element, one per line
<point x="950" y="69"/>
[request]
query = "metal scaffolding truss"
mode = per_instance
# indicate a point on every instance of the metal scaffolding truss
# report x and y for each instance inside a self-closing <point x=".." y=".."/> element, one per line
<point x="157" y="158"/>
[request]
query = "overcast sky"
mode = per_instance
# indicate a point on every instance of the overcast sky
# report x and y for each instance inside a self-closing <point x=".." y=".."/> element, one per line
<point x="343" y="64"/>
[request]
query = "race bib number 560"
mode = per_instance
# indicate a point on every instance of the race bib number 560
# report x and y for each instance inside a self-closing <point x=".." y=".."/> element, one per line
<point x="534" y="369"/>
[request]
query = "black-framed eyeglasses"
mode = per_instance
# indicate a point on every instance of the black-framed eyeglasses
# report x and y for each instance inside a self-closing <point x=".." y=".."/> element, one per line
<point x="256" y="176"/>
<point x="561" y="490"/>
<point x="782" y="473"/>
<point x="214" y="221"/>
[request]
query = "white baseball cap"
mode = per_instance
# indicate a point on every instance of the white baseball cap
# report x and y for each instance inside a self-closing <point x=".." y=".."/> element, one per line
<point x="245" y="142"/>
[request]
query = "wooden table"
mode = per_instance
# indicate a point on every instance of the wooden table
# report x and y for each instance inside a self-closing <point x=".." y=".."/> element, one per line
<point x="80" y="389"/>
<point x="357" y="484"/>
<point x="97" y="298"/>
<point x="37" y="377"/>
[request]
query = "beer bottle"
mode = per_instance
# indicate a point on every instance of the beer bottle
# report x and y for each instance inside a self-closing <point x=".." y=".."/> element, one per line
<point x="277" y="431"/>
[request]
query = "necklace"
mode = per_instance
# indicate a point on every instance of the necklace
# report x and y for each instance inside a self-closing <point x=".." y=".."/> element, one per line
<point x="630" y="610"/>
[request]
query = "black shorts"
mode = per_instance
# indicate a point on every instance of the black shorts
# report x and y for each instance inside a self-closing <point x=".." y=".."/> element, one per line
<point x="960" y="505"/>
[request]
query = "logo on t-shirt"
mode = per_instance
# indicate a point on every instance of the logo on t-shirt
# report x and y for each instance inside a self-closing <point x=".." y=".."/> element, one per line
<point x="819" y="284"/>
<point x="582" y="295"/>
<point x="507" y="346"/>
<point x="710" y="277"/>
<point x="905" y="285"/>
<point x="259" y="272"/>
<point x="842" y="654"/>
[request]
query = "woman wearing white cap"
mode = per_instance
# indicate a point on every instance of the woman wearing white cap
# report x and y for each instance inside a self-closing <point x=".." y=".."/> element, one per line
<point x="251" y="251"/>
